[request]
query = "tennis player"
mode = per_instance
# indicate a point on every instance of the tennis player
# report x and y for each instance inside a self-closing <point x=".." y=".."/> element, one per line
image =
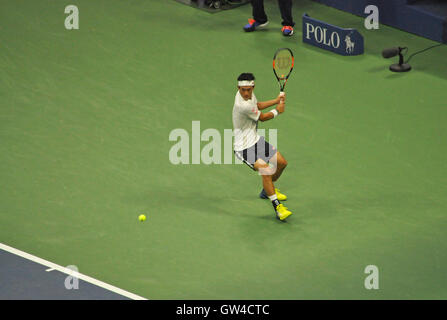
<point x="251" y="148"/>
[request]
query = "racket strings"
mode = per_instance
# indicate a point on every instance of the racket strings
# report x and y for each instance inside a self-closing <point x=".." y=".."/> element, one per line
<point x="283" y="63"/>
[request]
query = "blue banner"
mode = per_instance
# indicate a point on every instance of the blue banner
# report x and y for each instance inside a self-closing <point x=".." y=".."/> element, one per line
<point x="347" y="42"/>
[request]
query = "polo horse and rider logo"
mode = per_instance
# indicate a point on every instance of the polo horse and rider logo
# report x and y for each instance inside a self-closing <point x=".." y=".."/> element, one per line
<point x="349" y="44"/>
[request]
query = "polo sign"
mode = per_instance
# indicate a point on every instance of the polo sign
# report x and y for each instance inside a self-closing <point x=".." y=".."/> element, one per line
<point x="347" y="42"/>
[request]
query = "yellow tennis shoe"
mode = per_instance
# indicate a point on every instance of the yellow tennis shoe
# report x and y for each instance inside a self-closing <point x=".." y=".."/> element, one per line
<point x="282" y="212"/>
<point x="281" y="197"/>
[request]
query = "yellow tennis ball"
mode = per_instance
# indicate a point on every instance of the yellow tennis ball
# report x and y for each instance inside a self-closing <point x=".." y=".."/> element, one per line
<point x="142" y="217"/>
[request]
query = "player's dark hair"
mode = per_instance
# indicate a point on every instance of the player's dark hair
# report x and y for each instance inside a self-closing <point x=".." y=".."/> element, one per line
<point x="246" y="77"/>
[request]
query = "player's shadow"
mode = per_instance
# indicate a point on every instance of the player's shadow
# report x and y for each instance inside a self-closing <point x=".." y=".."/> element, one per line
<point x="263" y="232"/>
<point x="210" y="203"/>
<point x="317" y="213"/>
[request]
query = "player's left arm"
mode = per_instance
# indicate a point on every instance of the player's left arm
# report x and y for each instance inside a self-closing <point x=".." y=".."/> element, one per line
<point x="271" y="114"/>
<point x="265" y="104"/>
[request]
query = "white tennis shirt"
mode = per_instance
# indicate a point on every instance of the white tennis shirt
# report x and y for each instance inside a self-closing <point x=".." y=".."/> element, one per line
<point x="245" y="120"/>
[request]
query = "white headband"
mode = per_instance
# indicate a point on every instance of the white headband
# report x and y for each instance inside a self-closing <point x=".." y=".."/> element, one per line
<point x="246" y="83"/>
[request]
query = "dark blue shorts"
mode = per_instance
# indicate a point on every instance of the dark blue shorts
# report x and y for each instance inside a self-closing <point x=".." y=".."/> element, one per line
<point x="260" y="150"/>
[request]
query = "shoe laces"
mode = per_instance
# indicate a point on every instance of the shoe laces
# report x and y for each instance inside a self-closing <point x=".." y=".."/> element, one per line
<point x="287" y="28"/>
<point x="251" y="21"/>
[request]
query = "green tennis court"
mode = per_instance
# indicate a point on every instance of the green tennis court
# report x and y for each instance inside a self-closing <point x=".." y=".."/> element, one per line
<point x="85" y="119"/>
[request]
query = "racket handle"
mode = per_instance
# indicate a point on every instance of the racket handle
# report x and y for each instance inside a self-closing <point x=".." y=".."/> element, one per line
<point x="281" y="94"/>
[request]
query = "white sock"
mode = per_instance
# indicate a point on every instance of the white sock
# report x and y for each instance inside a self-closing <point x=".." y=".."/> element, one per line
<point x="273" y="197"/>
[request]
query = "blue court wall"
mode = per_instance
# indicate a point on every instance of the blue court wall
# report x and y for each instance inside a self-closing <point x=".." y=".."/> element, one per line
<point x="424" y="18"/>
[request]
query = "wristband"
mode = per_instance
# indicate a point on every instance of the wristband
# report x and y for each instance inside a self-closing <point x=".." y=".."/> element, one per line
<point x="275" y="113"/>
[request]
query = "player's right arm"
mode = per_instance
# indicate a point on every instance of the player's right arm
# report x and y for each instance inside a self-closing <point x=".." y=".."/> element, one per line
<point x="280" y="108"/>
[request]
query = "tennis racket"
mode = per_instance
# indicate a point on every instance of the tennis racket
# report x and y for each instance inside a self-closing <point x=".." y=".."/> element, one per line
<point x="283" y="62"/>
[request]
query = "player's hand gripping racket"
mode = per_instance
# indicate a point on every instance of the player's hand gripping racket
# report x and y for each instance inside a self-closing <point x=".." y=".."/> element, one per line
<point x="283" y="62"/>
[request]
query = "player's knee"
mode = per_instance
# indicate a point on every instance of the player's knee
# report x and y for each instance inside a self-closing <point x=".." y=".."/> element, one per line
<point x="283" y="163"/>
<point x="267" y="176"/>
<point x="265" y="171"/>
<point x="260" y="164"/>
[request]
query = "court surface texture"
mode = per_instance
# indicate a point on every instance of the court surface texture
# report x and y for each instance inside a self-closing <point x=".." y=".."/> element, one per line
<point x="85" y="120"/>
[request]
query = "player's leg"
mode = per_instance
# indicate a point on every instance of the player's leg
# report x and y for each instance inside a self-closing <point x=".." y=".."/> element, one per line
<point x="266" y="172"/>
<point x="285" y="7"/>
<point x="259" y="17"/>
<point x="270" y="154"/>
<point x="281" y="164"/>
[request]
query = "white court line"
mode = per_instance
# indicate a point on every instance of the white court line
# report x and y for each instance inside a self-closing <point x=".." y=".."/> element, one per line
<point x="70" y="272"/>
